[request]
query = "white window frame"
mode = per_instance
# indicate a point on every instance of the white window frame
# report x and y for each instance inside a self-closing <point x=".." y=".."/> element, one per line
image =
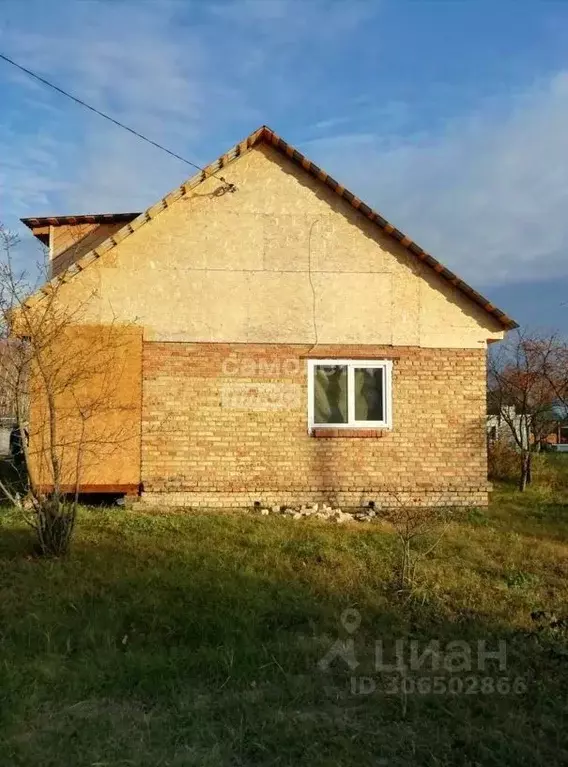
<point x="351" y="365"/>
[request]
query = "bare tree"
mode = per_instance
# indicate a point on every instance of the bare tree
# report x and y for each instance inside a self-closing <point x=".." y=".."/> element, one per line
<point x="61" y="373"/>
<point x="556" y="372"/>
<point x="524" y="386"/>
<point x="419" y="528"/>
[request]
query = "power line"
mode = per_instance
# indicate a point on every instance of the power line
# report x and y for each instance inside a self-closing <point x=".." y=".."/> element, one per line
<point x="110" y="119"/>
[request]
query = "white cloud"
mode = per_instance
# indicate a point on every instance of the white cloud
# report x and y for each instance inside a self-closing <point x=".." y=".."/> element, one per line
<point x="188" y="75"/>
<point x="129" y="64"/>
<point x="489" y="195"/>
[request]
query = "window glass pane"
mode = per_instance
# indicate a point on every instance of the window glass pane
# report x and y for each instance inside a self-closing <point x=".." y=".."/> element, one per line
<point x="369" y="394"/>
<point x="330" y="394"/>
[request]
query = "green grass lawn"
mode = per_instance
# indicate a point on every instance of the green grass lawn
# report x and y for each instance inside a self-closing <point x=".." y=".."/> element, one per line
<point x="195" y="640"/>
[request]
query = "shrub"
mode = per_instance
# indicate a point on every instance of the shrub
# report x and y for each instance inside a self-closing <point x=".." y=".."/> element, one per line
<point x="503" y="461"/>
<point x="53" y="519"/>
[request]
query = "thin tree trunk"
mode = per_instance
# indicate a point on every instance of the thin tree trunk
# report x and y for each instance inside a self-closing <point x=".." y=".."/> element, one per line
<point x="529" y="468"/>
<point x="525" y="471"/>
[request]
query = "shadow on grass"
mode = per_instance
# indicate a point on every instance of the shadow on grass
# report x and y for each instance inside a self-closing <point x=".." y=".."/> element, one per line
<point x="15" y="544"/>
<point x="12" y="476"/>
<point x="198" y="642"/>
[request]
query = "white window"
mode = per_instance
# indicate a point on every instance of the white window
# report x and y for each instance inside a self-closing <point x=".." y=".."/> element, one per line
<point x="353" y="394"/>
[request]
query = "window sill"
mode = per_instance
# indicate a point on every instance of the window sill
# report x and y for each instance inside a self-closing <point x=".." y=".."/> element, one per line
<point x="327" y="433"/>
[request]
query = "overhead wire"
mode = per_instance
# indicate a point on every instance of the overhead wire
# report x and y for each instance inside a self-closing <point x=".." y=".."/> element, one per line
<point x="134" y="132"/>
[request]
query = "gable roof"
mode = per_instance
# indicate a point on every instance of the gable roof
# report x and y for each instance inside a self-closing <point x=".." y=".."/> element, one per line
<point x="264" y="134"/>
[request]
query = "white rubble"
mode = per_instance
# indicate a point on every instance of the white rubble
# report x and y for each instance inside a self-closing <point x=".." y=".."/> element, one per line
<point x="320" y="511"/>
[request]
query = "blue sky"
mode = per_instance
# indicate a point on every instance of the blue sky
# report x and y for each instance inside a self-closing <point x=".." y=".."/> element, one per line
<point x="451" y="118"/>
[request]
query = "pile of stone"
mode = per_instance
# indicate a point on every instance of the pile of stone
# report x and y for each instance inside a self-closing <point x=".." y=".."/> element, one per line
<point x="319" y="511"/>
<point x="365" y="515"/>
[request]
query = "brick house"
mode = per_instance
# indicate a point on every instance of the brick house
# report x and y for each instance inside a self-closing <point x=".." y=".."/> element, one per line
<point x="293" y="345"/>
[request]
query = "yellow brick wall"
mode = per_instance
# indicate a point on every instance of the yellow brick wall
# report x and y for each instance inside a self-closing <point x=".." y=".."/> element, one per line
<point x="196" y="451"/>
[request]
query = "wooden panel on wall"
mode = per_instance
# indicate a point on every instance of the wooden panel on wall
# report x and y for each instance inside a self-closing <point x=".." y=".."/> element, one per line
<point x="93" y="377"/>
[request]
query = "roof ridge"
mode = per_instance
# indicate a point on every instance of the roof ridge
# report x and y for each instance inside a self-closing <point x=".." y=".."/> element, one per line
<point x="265" y="133"/>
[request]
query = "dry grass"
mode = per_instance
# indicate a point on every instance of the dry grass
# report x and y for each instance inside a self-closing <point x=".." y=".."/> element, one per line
<point x="195" y="640"/>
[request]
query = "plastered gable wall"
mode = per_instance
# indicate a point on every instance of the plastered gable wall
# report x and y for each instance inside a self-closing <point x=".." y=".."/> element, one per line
<point x="64" y="236"/>
<point x="281" y="260"/>
<point x="71" y="241"/>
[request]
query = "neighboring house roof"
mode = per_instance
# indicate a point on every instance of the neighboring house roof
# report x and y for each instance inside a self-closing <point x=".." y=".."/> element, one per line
<point x="40" y="224"/>
<point x="268" y="136"/>
<point x="87" y="218"/>
<point x="81" y="235"/>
